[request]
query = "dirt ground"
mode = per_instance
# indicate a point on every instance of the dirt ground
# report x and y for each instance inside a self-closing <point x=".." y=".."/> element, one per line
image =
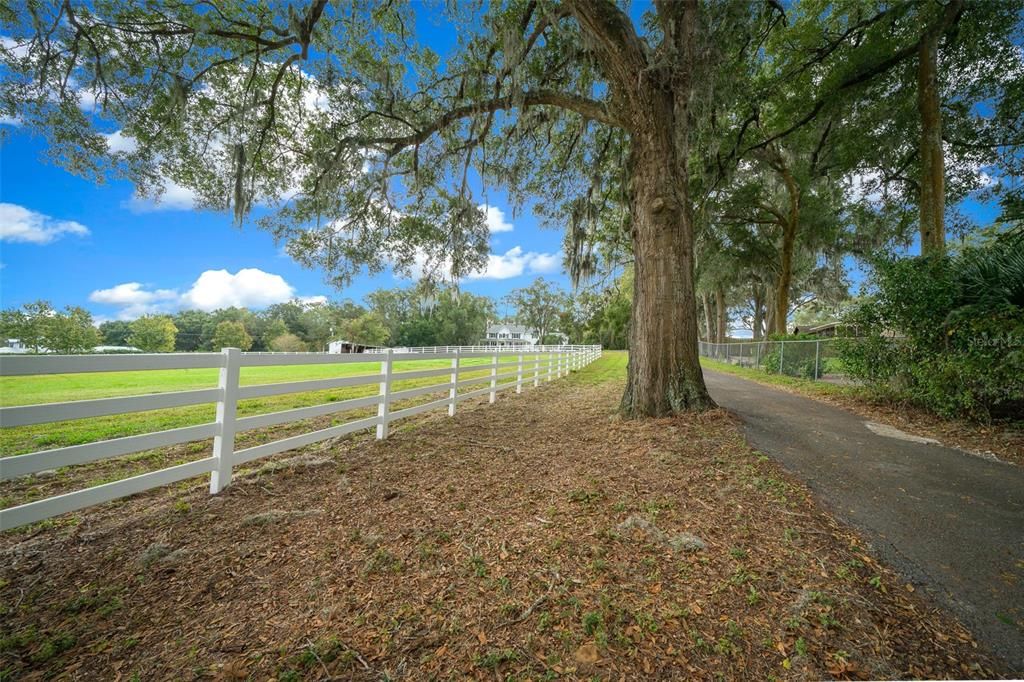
<point x="538" y="538"/>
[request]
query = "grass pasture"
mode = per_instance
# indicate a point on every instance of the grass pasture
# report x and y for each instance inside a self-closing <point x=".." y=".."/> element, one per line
<point x="60" y="388"/>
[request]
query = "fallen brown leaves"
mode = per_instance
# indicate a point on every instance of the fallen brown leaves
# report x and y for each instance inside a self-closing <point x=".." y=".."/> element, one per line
<point x="484" y="546"/>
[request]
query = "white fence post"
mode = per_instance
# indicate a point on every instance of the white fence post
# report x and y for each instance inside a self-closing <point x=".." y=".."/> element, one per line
<point x="519" y="375"/>
<point x="227" y="409"/>
<point x="536" y="370"/>
<point x="494" y="382"/>
<point x="551" y="366"/>
<point x="817" y="355"/>
<point x="453" y="392"/>
<point x="384" y="407"/>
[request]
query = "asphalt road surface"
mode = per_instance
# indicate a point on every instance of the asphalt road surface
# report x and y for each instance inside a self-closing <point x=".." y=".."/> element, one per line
<point x="952" y="523"/>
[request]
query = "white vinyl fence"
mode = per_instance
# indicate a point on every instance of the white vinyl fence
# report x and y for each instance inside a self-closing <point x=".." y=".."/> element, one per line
<point x="505" y="364"/>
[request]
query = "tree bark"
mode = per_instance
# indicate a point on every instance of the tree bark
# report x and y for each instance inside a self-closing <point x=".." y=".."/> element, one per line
<point x="758" y="313"/>
<point x="789" y="230"/>
<point x="652" y="99"/>
<point x="933" y="166"/>
<point x="664" y="374"/>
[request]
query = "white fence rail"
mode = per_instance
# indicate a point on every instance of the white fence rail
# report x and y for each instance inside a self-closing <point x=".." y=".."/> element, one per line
<point x="508" y="364"/>
<point x="508" y="346"/>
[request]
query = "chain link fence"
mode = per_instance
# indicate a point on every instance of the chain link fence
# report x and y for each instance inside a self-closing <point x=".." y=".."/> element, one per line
<point x="806" y="358"/>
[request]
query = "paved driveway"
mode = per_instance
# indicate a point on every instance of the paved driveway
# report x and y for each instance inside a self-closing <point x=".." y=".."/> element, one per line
<point x="951" y="522"/>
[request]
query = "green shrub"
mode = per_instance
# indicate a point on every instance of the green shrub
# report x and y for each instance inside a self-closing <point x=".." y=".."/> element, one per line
<point x="945" y="332"/>
<point x="795" y="360"/>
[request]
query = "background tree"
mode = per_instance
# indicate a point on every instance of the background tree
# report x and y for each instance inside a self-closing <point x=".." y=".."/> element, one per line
<point x="367" y="329"/>
<point x="70" y="332"/>
<point x="115" y="332"/>
<point x="288" y="343"/>
<point x="539" y="306"/>
<point x="153" y="334"/>
<point x="229" y="334"/>
<point x="28" y="324"/>
<point x="192" y="328"/>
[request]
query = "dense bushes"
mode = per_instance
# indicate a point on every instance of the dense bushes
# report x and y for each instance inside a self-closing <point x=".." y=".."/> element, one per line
<point x="792" y="359"/>
<point x="946" y="332"/>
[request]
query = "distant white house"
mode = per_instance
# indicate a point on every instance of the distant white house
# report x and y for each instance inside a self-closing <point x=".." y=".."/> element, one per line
<point x="503" y="334"/>
<point x="15" y="346"/>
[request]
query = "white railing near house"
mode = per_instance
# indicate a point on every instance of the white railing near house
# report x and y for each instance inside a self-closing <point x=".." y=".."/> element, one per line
<point x="542" y="364"/>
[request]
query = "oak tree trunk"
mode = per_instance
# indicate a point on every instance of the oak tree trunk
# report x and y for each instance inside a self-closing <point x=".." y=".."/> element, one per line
<point x="789" y="230"/>
<point x="933" y="202"/>
<point x="664" y="373"/>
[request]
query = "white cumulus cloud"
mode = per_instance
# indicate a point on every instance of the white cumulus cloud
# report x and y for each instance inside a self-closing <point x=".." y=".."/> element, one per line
<point x="516" y="262"/>
<point x="495" y="219"/>
<point x="135" y="301"/>
<point x="213" y="289"/>
<point x="249" y="287"/>
<point x="119" y="142"/>
<point x="175" y="197"/>
<point x="20" y="224"/>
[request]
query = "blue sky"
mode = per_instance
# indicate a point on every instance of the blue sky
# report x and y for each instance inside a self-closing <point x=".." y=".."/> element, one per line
<point x="101" y="247"/>
<point x="77" y="242"/>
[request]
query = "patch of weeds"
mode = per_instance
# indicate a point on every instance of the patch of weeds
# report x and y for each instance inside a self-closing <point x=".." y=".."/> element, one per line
<point x="102" y="602"/>
<point x="599" y="565"/>
<point x="741" y="576"/>
<point x="495" y="658"/>
<point x="728" y="643"/>
<point x="503" y="583"/>
<point x="646" y="621"/>
<point x="753" y="596"/>
<point x="509" y="609"/>
<point x="876" y="582"/>
<point x="18" y="640"/>
<point x="584" y="496"/>
<point x="738" y="553"/>
<point x="382" y="561"/>
<point x="827" y="620"/>
<point x="544" y="622"/>
<point x="427" y="551"/>
<point x="790" y="535"/>
<point x="593" y="621"/>
<point x="699" y="643"/>
<point x="181" y="506"/>
<point x="53" y="647"/>
<point x="800" y="646"/>
<point x="478" y="566"/>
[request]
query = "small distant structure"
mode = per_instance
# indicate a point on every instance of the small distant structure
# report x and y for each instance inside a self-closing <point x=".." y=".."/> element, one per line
<point x="343" y="346"/>
<point x="14" y="347"/>
<point x="502" y="334"/>
<point x="824" y="331"/>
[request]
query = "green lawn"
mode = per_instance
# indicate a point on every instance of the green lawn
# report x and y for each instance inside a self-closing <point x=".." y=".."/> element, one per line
<point x="59" y="388"/>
